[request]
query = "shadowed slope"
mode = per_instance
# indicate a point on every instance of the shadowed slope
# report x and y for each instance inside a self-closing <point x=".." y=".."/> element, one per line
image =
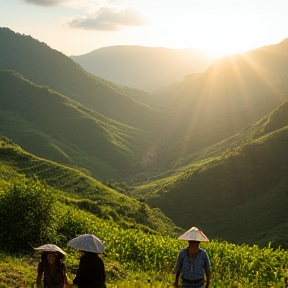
<point x="238" y="193"/>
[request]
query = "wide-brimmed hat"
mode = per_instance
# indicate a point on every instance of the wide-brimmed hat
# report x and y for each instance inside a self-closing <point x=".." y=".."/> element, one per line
<point x="87" y="243"/>
<point x="194" y="234"/>
<point x="50" y="248"/>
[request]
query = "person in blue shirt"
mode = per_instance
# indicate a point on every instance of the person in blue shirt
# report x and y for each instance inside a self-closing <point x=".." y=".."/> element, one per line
<point x="193" y="266"/>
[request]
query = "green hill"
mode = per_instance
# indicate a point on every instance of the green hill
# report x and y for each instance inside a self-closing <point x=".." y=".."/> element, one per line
<point x="234" y="92"/>
<point x="83" y="191"/>
<point x="55" y="127"/>
<point x="238" y="191"/>
<point x="45" y="66"/>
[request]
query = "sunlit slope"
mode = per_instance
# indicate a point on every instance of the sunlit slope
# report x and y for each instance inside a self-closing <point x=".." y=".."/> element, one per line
<point x="234" y="92"/>
<point x="54" y="127"/>
<point x="238" y="193"/>
<point x="42" y="65"/>
<point x="83" y="191"/>
<point x="240" y="79"/>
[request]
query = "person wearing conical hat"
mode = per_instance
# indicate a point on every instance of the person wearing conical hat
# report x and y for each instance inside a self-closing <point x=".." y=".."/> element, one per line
<point x="193" y="262"/>
<point x="53" y="270"/>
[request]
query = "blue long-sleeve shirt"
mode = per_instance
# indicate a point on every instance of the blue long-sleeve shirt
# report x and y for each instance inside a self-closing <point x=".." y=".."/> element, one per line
<point x="192" y="267"/>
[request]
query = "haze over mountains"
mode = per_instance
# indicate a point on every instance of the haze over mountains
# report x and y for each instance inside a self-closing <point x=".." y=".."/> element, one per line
<point x="210" y="150"/>
<point x="145" y="68"/>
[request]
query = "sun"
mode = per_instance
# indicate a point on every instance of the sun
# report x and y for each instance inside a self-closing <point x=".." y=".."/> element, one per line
<point x="218" y="28"/>
<point x="180" y="27"/>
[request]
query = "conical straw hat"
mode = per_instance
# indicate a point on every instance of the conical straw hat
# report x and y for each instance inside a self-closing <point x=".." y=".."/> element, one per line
<point x="194" y="234"/>
<point x="88" y="243"/>
<point x="50" y="248"/>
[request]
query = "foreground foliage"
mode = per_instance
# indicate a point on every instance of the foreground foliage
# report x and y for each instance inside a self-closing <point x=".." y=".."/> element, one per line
<point x="33" y="213"/>
<point x="232" y="265"/>
<point x="131" y="255"/>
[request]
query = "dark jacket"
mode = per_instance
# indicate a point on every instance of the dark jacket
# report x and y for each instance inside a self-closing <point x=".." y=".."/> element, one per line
<point x="91" y="272"/>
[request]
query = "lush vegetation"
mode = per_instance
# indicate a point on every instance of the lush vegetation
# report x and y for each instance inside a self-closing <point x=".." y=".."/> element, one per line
<point x="81" y="191"/>
<point x="237" y="188"/>
<point x="33" y="213"/>
<point x="243" y="178"/>
<point x="42" y="65"/>
<point x="68" y="133"/>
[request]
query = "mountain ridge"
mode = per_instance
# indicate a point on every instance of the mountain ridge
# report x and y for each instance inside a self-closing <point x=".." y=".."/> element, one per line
<point x="145" y="68"/>
<point x="45" y="66"/>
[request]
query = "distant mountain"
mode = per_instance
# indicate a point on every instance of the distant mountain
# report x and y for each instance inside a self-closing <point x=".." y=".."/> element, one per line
<point x="232" y="81"/>
<point x="145" y="68"/>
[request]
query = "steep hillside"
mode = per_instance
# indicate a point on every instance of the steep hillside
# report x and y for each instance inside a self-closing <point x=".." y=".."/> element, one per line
<point x="83" y="191"/>
<point x="238" y="194"/>
<point x="45" y="66"/>
<point x="54" y="127"/>
<point x="234" y="92"/>
<point x="147" y="68"/>
<point x="235" y="80"/>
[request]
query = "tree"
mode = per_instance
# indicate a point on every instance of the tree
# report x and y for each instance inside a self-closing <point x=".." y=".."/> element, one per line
<point x="27" y="215"/>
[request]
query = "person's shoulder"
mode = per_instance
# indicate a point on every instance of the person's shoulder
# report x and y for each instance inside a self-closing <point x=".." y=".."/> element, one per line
<point x="203" y="252"/>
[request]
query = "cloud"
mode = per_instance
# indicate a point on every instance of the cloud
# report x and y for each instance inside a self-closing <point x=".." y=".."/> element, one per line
<point x="46" y="2"/>
<point x="107" y="19"/>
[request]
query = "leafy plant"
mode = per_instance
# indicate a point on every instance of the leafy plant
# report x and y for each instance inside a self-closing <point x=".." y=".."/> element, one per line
<point x="27" y="215"/>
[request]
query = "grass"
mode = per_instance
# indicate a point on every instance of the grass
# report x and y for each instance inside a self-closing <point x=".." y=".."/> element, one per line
<point x="233" y="266"/>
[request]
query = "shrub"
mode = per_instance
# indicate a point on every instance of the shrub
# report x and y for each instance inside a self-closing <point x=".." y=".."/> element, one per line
<point x="27" y="215"/>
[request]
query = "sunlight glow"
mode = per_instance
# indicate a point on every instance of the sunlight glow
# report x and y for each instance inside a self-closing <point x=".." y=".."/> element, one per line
<point x="220" y="28"/>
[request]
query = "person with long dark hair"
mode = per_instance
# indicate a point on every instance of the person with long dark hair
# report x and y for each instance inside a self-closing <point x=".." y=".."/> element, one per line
<point x="52" y="271"/>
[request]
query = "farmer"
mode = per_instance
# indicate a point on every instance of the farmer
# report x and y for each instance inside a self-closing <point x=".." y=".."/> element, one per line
<point x="91" y="271"/>
<point x="51" y="269"/>
<point x="193" y="262"/>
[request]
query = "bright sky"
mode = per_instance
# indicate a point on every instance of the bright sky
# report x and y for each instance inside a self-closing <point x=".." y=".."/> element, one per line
<point x="219" y="27"/>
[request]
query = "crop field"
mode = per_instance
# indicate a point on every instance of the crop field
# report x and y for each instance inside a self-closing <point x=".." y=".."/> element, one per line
<point x="133" y="258"/>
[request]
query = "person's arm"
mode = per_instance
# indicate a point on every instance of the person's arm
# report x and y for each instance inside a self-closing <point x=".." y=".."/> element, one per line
<point x="207" y="268"/>
<point x="178" y="268"/>
<point x="176" y="282"/>
<point x="208" y="277"/>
